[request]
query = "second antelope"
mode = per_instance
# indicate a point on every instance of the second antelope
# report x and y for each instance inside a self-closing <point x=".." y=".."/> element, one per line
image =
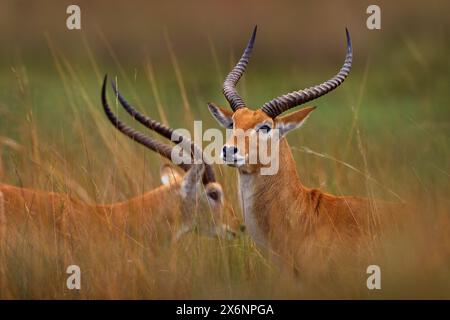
<point x="293" y="222"/>
<point x="193" y="201"/>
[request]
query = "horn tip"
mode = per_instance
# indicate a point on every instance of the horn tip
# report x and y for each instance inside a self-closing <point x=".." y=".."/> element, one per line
<point x="103" y="94"/>
<point x="105" y="79"/>
<point x="254" y="32"/>
<point x="349" y="40"/>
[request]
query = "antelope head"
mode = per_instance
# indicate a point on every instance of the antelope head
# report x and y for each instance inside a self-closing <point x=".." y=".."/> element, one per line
<point x="245" y="121"/>
<point x="202" y="204"/>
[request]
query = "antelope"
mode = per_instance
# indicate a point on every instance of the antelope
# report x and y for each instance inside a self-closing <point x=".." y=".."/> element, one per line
<point x="2" y="220"/>
<point x="193" y="201"/>
<point x="282" y="215"/>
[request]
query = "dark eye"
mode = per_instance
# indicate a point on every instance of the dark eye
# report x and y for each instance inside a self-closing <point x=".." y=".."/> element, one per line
<point x="264" y="128"/>
<point x="213" y="195"/>
<point x="231" y="125"/>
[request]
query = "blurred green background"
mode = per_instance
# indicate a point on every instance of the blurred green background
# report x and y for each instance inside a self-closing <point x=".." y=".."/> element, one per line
<point x="385" y="132"/>
<point x="398" y="87"/>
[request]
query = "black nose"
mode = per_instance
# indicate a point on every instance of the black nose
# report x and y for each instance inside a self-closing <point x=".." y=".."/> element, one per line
<point x="229" y="150"/>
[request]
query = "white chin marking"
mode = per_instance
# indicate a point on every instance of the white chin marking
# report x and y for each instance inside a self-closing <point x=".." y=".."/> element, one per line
<point x="234" y="162"/>
<point x="165" y="180"/>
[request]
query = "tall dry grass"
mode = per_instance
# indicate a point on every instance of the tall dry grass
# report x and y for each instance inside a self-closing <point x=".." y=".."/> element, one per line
<point x="377" y="136"/>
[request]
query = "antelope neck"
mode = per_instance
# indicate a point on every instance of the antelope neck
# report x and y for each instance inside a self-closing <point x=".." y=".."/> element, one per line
<point x="261" y="194"/>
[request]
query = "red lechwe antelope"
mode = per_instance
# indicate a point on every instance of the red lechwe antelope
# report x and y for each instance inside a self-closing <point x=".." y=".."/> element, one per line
<point x="293" y="222"/>
<point x="190" y="202"/>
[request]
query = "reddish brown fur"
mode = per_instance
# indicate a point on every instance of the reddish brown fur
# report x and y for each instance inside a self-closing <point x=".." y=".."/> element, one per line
<point x="160" y="212"/>
<point x="295" y="223"/>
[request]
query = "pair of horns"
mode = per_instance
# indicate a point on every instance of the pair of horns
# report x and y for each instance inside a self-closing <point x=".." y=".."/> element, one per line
<point x="163" y="149"/>
<point x="277" y="106"/>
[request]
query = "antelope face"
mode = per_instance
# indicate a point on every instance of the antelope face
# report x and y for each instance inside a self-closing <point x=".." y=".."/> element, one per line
<point x="248" y="129"/>
<point x="213" y="216"/>
<point x="265" y="121"/>
<point x="203" y="206"/>
<point x="255" y="135"/>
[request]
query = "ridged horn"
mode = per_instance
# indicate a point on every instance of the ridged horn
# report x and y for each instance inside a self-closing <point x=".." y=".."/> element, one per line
<point x="155" y="145"/>
<point x="229" y="85"/>
<point x="285" y="102"/>
<point x="166" y="132"/>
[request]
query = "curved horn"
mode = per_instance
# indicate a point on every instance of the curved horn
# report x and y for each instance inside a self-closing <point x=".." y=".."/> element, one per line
<point x="156" y="126"/>
<point x="166" y="132"/>
<point x="229" y="85"/>
<point x="285" y="102"/>
<point x="157" y="146"/>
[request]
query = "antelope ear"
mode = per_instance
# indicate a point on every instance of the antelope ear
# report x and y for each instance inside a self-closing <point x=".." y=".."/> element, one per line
<point x="293" y="120"/>
<point x="169" y="175"/>
<point x="223" y="116"/>
<point x="191" y="180"/>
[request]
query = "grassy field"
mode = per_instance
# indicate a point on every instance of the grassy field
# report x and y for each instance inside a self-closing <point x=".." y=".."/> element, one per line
<point x="384" y="134"/>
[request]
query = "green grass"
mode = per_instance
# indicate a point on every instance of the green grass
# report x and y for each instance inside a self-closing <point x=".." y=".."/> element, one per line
<point x="384" y="134"/>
